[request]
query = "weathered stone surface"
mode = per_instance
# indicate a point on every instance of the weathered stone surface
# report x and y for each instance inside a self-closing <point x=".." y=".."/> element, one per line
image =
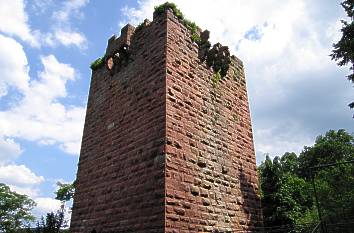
<point x="161" y="149"/>
<point x="121" y="166"/>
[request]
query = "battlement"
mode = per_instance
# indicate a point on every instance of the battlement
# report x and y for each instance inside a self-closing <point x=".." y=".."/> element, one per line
<point x="216" y="57"/>
<point x="115" y="43"/>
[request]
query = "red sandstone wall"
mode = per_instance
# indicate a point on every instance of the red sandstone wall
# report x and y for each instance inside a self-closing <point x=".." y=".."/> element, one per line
<point x="211" y="177"/>
<point x="163" y="150"/>
<point x="120" y="180"/>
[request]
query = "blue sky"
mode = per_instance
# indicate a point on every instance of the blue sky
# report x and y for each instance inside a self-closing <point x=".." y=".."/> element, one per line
<point x="296" y="92"/>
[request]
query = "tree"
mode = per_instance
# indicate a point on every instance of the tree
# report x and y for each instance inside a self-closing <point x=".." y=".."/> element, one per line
<point x="335" y="186"/>
<point x="52" y="223"/>
<point x="269" y="182"/>
<point x="289" y="163"/>
<point x="333" y="147"/>
<point x="343" y="50"/>
<point x="285" y="197"/>
<point x="286" y="184"/>
<point x="15" y="210"/>
<point x="65" y="191"/>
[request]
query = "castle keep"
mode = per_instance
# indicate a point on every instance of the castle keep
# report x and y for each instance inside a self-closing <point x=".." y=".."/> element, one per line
<point x="167" y="143"/>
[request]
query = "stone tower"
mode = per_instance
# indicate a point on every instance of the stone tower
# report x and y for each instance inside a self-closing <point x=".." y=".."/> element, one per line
<point x="167" y="143"/>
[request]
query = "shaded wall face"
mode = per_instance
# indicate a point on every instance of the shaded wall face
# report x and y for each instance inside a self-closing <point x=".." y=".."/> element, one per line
<point x="211" y="178"/>
<point x="120" y="180"/>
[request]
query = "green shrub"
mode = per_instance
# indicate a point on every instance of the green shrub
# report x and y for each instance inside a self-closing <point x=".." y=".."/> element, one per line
<point x="99" y="62"/>
<point x="193" y="28"/>
<point x="168" y="5"/>
<point x="195" y="37"/>
<point x="139" y="27"/>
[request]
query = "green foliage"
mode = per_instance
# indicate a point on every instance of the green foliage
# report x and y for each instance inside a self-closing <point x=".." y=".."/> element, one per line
<point x="160" y="9"/>
<point x="216" y="78"/>
<point x="195" y="37"/>
<point x="289" y="163"/>
<point x="335" y="187"/>
<point x="52" y="223"/>
<point x="98" y="63"/>
<point x="286" y="184"/>
<point x="348" y="6"/>
<point x="343" y="50"/>
<point x="295" y="196"/>
<point x="310" y="215"/>
<point x="285" y="196"/>
<point x="15" y="210"/>
<point x="65" y="191"/>
<point x="334" y="146"/>
<point x="139" y="27"/>
<point x="194" y="30"/>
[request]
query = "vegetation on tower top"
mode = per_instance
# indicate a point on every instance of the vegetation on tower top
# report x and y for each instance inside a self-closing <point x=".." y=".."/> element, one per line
<point x="99" y="62"/>
<point x="160" y="9"/>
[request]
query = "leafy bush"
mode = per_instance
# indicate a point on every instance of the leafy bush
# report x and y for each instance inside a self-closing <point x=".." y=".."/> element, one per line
<point x="139" y="27"/>
<point x="195" y="37"/>
<point x="168" y="5"/>
<point x="98" y="63"/>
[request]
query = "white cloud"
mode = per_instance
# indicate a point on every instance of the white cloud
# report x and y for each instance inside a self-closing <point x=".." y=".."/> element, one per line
<point x="296" y="92"/>
<point x="69" y="9"/>
<point x="38" y="115"/>
<point x="13" y="20"/>
<point x="9" y="150"/>
<point x="71" y="147"/>
<point x="62" y="31"/>
<point x="68" y="38"/>
<point x="31" y="191"/>
<point x="14" y="66"/>
<point x="64" y="37"/>
<point x="51" y="82"/>
<point x="46" y="205"/>
<point x="19" y="175"/>
<point x="279" y="142"/>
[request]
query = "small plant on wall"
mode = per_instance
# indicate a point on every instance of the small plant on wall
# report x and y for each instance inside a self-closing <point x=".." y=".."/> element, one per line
<point x="195" y="37"/>
<point x="99" y="62"/>
<point x="216" y="78"/>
